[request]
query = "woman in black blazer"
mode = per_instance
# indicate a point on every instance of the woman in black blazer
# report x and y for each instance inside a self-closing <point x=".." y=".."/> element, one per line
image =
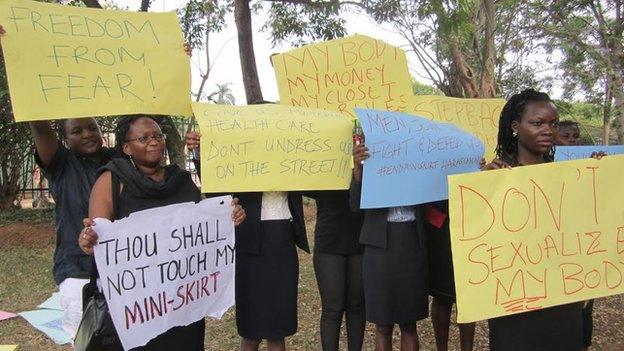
<point x="267" y="272"/>
<point x="267" y="266"/>
<point x="394" y="268"/>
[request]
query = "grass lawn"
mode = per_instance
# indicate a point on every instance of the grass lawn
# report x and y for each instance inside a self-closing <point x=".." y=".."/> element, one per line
<point x="27" y="244"/>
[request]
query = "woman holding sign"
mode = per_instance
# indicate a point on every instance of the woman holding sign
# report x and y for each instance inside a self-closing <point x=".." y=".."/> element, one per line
<point x="527" y="128"/>
<point x="140" y="181"/>
<point x="267" y="265"/>
<point x="394" y="266"/>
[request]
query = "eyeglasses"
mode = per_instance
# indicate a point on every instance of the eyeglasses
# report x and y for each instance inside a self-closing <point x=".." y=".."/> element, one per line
<point x="147" y="138"/>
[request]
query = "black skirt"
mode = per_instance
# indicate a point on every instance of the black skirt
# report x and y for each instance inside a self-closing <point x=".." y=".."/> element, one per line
<point x="395" y="278"/>
<point x="190" y="337"/>
<point x="266" y="285"/>
<point x="441" y="279"/>
<point x="558" y="328"/>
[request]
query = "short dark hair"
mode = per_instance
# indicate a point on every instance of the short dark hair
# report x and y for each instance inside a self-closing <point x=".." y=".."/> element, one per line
<point x="569" y="124"/>
<point x="507" y="148"/>
<point x="123" y="127"/>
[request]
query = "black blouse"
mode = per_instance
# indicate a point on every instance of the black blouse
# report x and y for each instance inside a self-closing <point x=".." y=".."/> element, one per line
<point x="337" y="227"/>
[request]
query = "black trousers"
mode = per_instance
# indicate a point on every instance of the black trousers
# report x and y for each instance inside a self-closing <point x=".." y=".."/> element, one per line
<point x="588" y="323"/>
<point x="339" y="279"/>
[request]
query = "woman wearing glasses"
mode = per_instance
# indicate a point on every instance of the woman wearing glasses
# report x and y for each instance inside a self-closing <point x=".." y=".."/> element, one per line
<point x="141" y="181"/>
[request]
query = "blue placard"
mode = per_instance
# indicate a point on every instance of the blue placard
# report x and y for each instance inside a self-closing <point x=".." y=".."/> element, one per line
<point x="569" y="153"/>
<point x="411" y="157"/>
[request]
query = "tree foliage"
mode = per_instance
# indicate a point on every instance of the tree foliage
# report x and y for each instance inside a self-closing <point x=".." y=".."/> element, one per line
<point x="223" y="95"/>
<point x="304" y="22"/>
<point x="424" y="89"/>
<point x="589" y="34"/>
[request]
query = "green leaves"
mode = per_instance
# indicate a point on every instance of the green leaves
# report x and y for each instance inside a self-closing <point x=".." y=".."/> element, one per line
<point x="305" y="22"/>
<point x="199" y="17"/>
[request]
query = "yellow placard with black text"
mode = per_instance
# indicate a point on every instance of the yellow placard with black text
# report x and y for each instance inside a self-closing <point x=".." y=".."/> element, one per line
<point x="273" y="148"/>
<point x="68" y="61"/>
<point x="344" y="73"/>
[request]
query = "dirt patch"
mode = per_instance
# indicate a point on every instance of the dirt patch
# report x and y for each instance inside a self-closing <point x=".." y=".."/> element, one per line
<point x="26" y="235"/>
<point x="309" y="212"/>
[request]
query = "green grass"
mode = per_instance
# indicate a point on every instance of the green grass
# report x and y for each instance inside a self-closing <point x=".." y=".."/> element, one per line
<point x="26" y="216"/>
<point x="26" y="281"/>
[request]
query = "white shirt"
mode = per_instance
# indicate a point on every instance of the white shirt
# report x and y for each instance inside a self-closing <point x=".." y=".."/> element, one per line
<point x="275" y="206"/>
<point x="402" y="214"/>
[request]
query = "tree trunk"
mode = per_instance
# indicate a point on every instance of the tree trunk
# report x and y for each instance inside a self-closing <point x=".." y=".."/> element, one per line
<point x="618" y="115"/>
<point x="9" y="188"/>
<point x="242" y="17"/>
<point x="465" y="75"/>
<point x="606" y="112"/>
<point x="617" y="91"/>
<point x="175" y="144"/>
<point x="488" y="84"/>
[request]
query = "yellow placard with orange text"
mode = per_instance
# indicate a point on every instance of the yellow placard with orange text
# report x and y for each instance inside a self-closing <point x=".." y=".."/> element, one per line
<point x="67" y="61"/>
<point x="536" y="236"/>
<point x="341" y="74"/>
<point x="477" y="116"/>
<point x="273" y="148"/>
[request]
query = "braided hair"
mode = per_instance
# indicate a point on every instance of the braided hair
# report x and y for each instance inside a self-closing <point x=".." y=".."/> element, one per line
<point x="507" y="148"/>
<point x="122" y="128"/>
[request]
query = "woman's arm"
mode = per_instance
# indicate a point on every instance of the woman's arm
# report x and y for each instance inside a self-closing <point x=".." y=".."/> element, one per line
<point x="360" y="154"/>
<point x="100" y="206"/>
<point x="45" y="141"/>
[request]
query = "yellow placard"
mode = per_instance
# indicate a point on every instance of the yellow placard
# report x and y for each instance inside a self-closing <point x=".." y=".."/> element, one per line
<point x="9" y="347"/>
<point x="67" y="61"/>
<point x="536" y="236"/>
<point x="341" y="74"/>
<point x="273" y="148"/>
<point x="477" y="116"/>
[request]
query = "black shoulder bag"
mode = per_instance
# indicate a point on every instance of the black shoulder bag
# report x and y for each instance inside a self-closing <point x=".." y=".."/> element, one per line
<point x="96" y="330"/>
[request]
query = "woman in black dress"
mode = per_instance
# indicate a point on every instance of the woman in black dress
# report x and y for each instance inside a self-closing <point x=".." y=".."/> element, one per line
<point x="267" y="265"/>
<point x="394" y="266"/>
<point x="527" y="128"/>
<point x="138" y="182"/>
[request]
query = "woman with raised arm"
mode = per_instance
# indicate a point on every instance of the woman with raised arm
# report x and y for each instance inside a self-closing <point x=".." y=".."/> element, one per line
<point x="526" y="136"/>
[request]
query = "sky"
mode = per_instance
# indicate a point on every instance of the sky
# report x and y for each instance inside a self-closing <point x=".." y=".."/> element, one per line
<point x="225" y="58"/>
<point x="224" y="50"/>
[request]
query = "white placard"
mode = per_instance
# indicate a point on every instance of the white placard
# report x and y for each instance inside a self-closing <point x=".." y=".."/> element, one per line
<point x="167" y="266"/>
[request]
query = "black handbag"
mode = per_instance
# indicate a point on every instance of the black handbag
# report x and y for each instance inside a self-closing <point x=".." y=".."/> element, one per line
<point x="96" y="330"/>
